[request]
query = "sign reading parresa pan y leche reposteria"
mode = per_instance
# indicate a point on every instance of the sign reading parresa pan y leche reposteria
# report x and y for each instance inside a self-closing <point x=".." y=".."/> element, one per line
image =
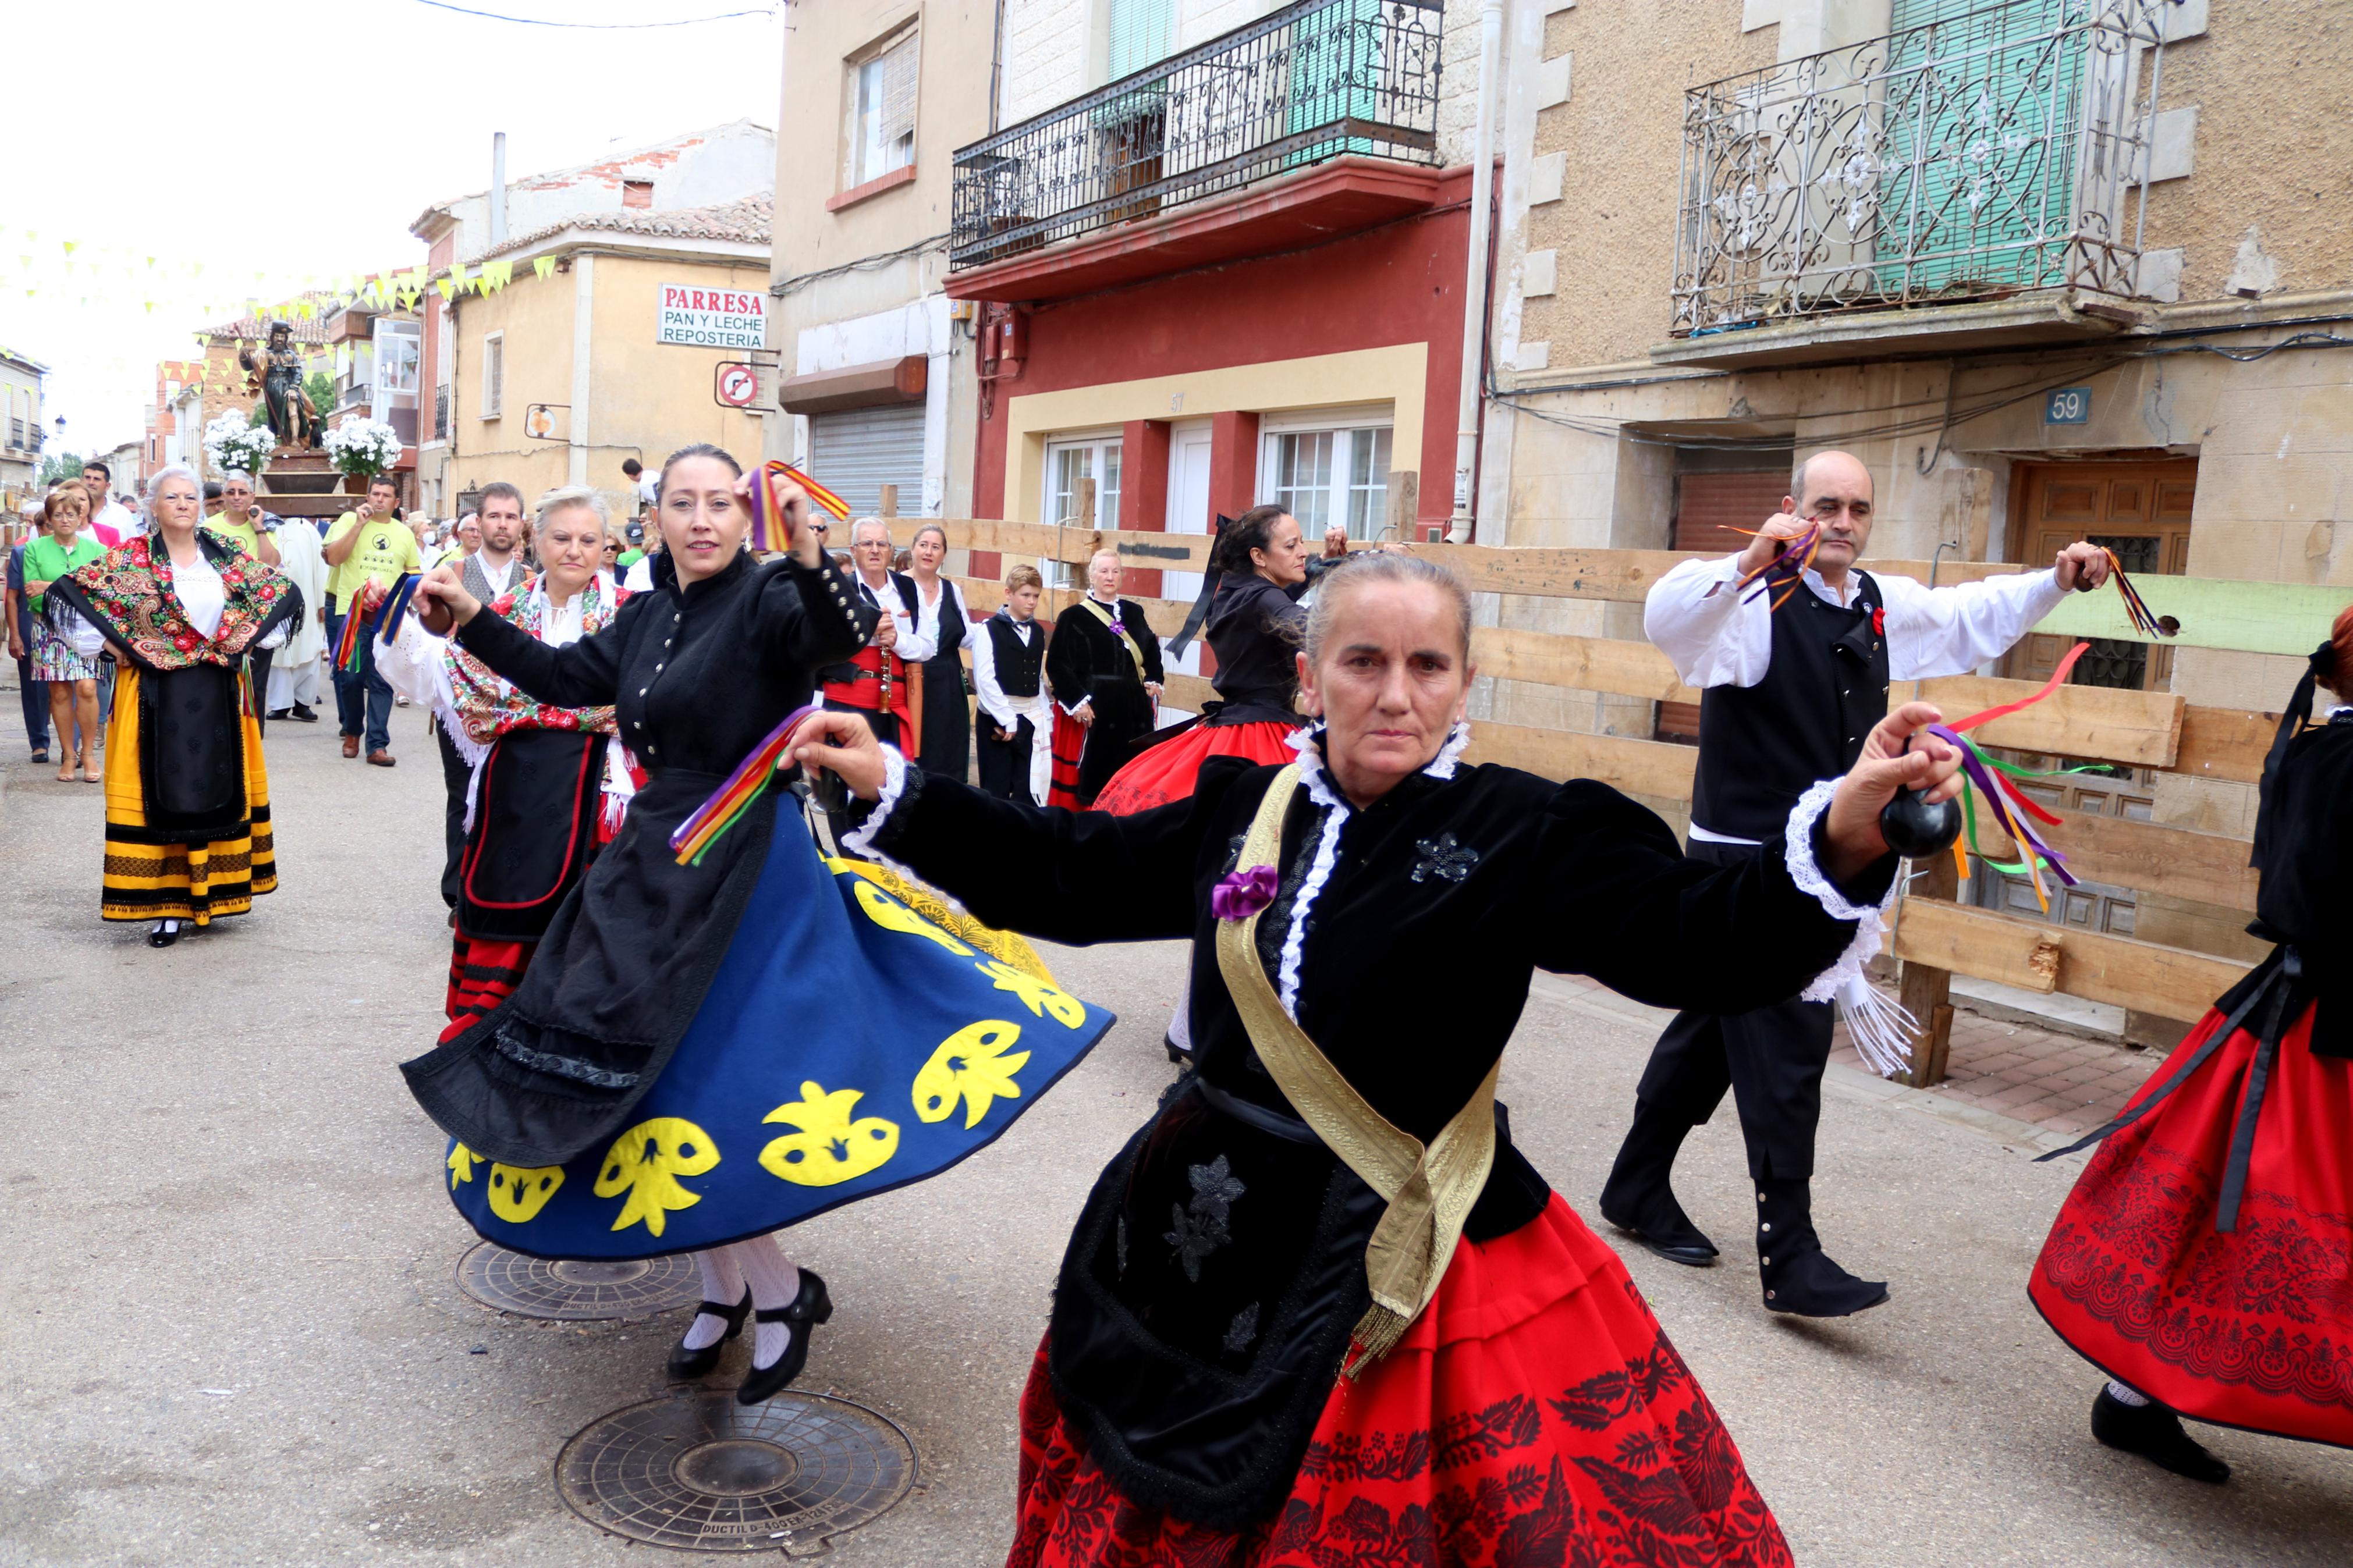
<point x="711" y="318"/>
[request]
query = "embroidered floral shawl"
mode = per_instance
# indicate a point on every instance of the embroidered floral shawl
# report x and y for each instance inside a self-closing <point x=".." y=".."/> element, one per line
<point x="487" y="707"/>
<point x="128" y="593"/>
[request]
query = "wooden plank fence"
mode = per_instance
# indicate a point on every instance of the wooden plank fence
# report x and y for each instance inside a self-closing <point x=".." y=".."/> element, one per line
<point x="1934" y="936"/>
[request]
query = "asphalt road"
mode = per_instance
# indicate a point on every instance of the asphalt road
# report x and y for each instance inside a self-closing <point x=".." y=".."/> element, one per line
<point x="231" y="1335"/>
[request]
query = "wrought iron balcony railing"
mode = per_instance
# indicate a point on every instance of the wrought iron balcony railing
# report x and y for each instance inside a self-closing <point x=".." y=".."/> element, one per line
<point x="1311" y="81"/>
<point x="1984" y="154"/>
<point x="441" y="412"/>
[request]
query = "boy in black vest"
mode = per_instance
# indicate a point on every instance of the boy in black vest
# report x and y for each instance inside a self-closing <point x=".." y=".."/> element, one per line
<point x="1788" y="697"/>
<point x="1006" y="660"/>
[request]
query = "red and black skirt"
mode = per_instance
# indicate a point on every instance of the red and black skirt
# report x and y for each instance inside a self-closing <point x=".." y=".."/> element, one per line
<point x="1534" y="1413"/>
<point x="2205" y="1257"/>
<point x="1164" y="771"/>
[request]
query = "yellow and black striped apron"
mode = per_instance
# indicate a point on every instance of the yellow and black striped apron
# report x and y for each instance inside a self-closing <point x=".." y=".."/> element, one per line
<point x="150" y="876"/>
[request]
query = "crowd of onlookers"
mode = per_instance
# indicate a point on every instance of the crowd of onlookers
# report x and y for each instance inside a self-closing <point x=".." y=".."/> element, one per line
<point x="67" y="674"/>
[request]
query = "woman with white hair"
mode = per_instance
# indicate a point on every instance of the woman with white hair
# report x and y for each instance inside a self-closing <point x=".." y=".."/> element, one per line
<point x="190" y="842"/>
<point x="548" y="788"/>
<point x="1103" y="665"/>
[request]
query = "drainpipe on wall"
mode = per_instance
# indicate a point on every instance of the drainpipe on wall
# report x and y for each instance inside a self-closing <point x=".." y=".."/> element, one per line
<point x="1475" y="280"/>
<point x="498" y="190"/>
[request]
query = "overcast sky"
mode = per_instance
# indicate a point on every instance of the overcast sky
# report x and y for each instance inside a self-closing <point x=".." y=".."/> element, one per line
<point x="269" y="137"/>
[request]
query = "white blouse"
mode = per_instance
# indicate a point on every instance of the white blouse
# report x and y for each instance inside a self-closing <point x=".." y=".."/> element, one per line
<point x="198" y="588"/>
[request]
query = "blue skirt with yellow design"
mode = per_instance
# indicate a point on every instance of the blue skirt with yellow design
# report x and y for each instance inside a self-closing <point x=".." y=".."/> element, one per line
<point x="862" y="1034"/>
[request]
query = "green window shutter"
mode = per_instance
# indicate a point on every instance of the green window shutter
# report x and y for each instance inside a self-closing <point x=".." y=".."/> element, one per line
<point x="1982" y="116"/>
<point x="1142" y="33"/>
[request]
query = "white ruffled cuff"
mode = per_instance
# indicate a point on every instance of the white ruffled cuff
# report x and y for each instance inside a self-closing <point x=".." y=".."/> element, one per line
<point x="1882" y="1030"/>
<point x="860" y="840"/>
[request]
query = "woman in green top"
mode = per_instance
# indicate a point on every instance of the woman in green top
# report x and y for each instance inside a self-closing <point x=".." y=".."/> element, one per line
<point x="66" y="646"/>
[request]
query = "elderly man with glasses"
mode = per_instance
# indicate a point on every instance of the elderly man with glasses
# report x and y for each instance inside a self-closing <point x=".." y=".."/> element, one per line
<point x="1787" y="694"/>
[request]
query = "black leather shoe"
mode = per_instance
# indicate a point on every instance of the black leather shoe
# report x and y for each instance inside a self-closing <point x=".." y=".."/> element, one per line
<point x="301" y="715"/>
<point x="1798" y="1275"/>
<point x="165" y="933"/>
<point x="686" y="1365"/>
<point x="1177" y="1053"/>
<point x="2155" y="1433"/>
<point x="811" y="1307"/>
<point x="1639" y="1200"/>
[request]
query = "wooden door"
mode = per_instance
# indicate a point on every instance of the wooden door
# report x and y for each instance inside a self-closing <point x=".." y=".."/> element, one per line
<point x="2141" y="510"/>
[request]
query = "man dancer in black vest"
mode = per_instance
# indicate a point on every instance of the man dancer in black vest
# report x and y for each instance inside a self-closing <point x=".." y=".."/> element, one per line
<point x="1787" y="698"/>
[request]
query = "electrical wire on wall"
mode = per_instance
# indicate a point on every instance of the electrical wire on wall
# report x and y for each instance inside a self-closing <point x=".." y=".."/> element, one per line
<point x="1955" y="410"/>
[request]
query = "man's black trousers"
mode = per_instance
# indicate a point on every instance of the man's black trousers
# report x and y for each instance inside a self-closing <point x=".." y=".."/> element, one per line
<point x="1771" y="1059"/>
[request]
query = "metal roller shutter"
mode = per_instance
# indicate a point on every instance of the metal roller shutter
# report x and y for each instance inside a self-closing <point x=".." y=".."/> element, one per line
<point x="1710" y="511"/>
<point x="857" y="451"/>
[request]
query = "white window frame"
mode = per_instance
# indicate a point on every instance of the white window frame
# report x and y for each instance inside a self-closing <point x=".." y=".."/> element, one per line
<point x="495" y="374"/>
<point x="865" y="76"/>
<point x="1349" y="426"/>
<point x="1097" y="444"/>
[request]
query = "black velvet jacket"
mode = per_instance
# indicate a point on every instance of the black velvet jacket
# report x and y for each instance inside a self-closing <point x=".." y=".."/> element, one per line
<point x="1254" y="630"/>
<point x="1206" y="1300"/>
<point x="2305" y="856"/>
<point x="697" y="679"/>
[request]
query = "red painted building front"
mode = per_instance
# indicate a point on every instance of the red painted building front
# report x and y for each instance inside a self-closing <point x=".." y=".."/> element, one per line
<point x="1240" y="303"/>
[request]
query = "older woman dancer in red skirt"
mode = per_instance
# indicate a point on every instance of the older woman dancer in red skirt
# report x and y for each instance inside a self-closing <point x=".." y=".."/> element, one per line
<point x="1320" y="1310"/>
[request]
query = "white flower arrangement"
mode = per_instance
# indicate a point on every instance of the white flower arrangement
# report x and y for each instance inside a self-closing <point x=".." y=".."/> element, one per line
<point x="233" y="441"/>
<point x="364" y="446"/>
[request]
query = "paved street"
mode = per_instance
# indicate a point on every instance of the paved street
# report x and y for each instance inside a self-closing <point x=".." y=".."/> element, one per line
<point x="232" y="1336"/>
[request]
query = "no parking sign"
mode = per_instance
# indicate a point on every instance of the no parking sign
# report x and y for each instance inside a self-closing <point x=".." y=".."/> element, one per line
<point x="736" y="384"/>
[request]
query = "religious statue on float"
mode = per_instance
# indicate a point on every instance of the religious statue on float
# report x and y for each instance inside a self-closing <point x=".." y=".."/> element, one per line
<point x="276" y="374"/>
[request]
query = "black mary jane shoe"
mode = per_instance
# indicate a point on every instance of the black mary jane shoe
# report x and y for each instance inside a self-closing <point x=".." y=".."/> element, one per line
<point x="686" y="1365"/>
<point x="2154" y="1432"/>
<point x="160" y="937"/>
<point x="810" y="1307"/>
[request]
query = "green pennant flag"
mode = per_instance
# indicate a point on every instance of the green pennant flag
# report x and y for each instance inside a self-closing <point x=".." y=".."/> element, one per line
<point x="448" y="287"/>
<point x="498" y="274"/>
<point x="543" y="265"/>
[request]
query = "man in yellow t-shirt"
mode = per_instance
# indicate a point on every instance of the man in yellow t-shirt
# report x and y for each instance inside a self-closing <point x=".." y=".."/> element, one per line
<point x="367" y="547"/>
<point x="241" y="518"/>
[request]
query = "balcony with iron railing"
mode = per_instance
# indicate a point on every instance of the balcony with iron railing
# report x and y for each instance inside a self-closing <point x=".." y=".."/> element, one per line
<point x="1318" y="84"/>
<point x="1998" y="155"/>
<point x="441" y="412"/>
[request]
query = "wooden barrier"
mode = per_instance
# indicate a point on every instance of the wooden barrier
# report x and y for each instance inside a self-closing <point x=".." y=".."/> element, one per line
<point x="1934" y="936"/>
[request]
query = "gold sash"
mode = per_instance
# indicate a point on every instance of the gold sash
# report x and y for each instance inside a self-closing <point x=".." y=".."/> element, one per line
<point x="1134" y="652"/>
<point x="1430" y="1190"/>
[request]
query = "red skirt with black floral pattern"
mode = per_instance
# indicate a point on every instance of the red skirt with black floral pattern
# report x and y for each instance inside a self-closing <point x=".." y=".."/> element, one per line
<point x="1534" y="1413"/>
<point x="2252" y="1327"/>
<point x="1165" y="772"/>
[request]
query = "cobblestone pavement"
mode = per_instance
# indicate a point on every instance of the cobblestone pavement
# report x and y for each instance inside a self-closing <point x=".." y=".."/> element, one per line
<point x="2047" y="1078"/>
<point x="229" y="1335"/>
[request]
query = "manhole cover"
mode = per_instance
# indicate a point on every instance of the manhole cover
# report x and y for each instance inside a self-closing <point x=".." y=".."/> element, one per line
<point x="701" y="1473"/>
<point x="577" y="1289"/>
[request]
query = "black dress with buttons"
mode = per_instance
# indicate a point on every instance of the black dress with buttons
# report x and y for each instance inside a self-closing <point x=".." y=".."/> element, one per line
<point x="698" y="676"/>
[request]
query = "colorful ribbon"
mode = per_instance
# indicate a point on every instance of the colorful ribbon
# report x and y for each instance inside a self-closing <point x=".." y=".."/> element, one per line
<point x="2143" y="620"/>
<point x="384" y="621"/>
<point x="2010" y="804"/>
<point x="732" y="799"/>
<point x="769" y="513"/>
<point x="1802" y="548"/>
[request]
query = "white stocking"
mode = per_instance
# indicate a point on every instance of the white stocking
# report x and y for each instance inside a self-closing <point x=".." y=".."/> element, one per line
<point x="1181" y="1023"/>
<point x="723" y="1282"/>
<point x="2125" y="1393"/>
<point x="774" y="1283"/>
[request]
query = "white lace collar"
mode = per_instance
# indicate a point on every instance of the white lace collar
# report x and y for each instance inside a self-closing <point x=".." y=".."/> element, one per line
<point x="1309" y="743"/>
